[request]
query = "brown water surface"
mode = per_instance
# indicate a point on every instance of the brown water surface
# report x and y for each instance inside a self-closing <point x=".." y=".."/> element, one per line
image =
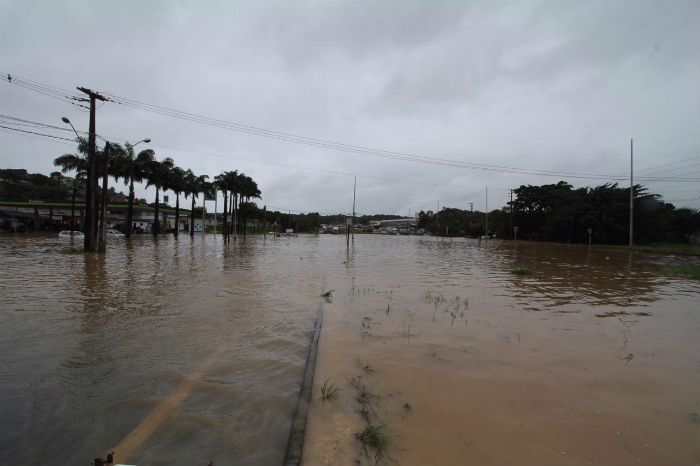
<point x="184" y="351"/>
<point x="593" y="358"/>
<point x="176" y="352"/>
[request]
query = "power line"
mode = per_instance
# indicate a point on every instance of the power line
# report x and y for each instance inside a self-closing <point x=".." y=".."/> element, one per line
<point x="32" y="132"/>
<point x="322" y="143"/>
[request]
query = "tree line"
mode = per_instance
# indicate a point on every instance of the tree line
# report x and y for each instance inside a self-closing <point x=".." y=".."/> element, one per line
<point x="558" y="212"/>
<point x="122" y="162"/>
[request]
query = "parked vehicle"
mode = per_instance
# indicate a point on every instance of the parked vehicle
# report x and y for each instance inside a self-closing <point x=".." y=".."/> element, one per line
<point x="114" y="234"/>
<point x="71" y="234"/>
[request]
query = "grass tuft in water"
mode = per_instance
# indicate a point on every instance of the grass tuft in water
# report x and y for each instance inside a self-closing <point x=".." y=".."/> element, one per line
<point x="523" y="272"/>
<point x="373" y="437"/>
<point x="328" y="390"/>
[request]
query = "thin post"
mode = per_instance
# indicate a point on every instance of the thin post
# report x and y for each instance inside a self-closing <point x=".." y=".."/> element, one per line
<point x="354" y="189"/>
<point x="511" y="210"/>
<point x="216" y="198"/>
<point x="437" y="219"/>
<point x="264" y="221"/>
<point x="487" y="210"/>
<point x="72" y="207"/>
<point x="631" y="194"/>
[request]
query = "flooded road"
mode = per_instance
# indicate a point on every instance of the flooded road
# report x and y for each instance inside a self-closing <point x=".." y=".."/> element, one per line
<point x="184" y="351"/>
<point x="175" y="352"/>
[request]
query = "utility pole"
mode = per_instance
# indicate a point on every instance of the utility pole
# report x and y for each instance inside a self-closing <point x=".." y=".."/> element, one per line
<point x="437" y="219"/>
<point x="631" y="195"/>
<point x="265" y="221"/>
<point x="354" y="190"/>
<point x="90" y="241"/>
<point x="487" y="210"/>
<point x="511" y="211"/>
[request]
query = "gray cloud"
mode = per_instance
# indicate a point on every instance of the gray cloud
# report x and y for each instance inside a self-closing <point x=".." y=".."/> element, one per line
<point x="556" y="85"/>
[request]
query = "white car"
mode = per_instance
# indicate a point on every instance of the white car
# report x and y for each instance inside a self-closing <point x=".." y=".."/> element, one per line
<point x="114" y="234"/>
<point x="71" y="234"/>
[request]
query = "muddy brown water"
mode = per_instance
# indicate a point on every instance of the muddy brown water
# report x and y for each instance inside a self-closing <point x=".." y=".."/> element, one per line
<point x="185" y="351"/>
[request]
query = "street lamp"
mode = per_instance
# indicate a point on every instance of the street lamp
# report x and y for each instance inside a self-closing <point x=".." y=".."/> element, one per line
<point x="66" y="120"/>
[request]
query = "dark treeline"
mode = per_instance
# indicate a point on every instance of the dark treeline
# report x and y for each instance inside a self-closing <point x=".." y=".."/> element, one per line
<point x="18" y="185"/>
<point x="558" y="212"/>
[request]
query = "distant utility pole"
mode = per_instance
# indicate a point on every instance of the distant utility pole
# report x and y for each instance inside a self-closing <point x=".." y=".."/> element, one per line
<point x="487" y="210"/>
<point x="265" y="221"/>
<point x="354" y="189"/>
<point x="631" y="195"/>
<point x="511" y="212"/>
<point x="437" y="219"/>
<point x="90" y="242"/>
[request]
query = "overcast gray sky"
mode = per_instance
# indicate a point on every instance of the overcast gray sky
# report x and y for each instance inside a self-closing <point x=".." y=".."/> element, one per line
<point x="547" y="86"/>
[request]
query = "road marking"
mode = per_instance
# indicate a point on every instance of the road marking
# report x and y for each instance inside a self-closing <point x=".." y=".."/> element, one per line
<point x="137" y="437"/>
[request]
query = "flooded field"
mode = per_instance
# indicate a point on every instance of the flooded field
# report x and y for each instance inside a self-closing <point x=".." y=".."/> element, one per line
<point x="184" y="351"/>
<point x="441" y="354"/>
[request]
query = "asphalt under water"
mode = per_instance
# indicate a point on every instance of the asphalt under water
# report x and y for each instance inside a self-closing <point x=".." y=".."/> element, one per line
<point x="185" y="351"/>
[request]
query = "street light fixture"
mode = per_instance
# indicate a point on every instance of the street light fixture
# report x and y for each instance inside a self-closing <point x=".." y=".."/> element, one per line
<point x="66" y="120"/>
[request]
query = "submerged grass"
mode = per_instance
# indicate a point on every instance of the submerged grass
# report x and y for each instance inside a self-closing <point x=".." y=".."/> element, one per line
<point x="328" y="390"/>
<point x="373" y="437"/>
<point x="685" y="271"/>
<point x="658" y="248"/>
<point x="523" y="272"/>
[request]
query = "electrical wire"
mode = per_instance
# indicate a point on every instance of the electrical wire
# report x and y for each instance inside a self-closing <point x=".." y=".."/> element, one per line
<point x="32" y="132"/>
<point x="322" y="143"/>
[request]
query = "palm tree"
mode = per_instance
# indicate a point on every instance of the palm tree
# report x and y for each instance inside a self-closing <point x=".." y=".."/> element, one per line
<point x="157" y="174"/>
<point x="133" y="168"/>
<point x="195" y="185"/>
<point x="175" y="182"/>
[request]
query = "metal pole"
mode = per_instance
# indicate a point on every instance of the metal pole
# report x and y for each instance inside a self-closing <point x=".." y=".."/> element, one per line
<point x="354" y="189"/>
<point x="487" y="210"/>
<point x="631" y="194"/>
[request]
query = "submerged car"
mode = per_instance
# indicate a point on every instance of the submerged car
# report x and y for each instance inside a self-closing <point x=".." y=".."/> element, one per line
<point x="71" y="234"/>
<point x="114" y="234"/>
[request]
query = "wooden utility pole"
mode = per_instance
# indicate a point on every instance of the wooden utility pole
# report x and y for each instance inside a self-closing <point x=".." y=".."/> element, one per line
<point x="90" y="242"/>
<point x="631" y="195"/>
<point x="265" y="221"/>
